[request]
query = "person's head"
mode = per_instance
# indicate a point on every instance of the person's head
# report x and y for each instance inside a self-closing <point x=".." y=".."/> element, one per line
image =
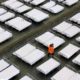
<point x="51" y="45"/>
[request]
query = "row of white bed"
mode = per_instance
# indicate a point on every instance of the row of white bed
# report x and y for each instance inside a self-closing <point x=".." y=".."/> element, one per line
<point x="40" y="15"/>
<point x="66" y="74"/>
<point x="5" y="35"/>
<point x="50" y="6"/>
<point x="18" y="6"/>
<point x="67" y="2"/>
<point x="20" y="24"/>
<point x="76" y="19"/>
<point x="30" y="54"/>
<point x="48" y="38"/>
<point x="8" y="71"/>
<point x="67" y="29"/>
<point x="38" y="2"/>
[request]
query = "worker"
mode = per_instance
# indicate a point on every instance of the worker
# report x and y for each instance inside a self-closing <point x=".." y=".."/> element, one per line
<point x="51" y="49"/>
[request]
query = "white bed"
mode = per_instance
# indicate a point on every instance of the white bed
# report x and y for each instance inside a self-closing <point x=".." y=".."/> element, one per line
<point x="48" y="38"/>
<point x="64" y="74"/>
<point x="23" y="9"/>
<point x="48" y="66"/>
<point x="9" y="73"/>
<point x="6" y="16"/>
<point x="26" y="78"/>
<point x="62" y="27"/>
<point x="18" y="23"/>
<point x="77" y="60"/>
<point x="34" y="56"/>
<point x="3" y="64"/>
<point x="37" y="2"/>
<point x="40" y="16"/>
<point x="5" y="35"/>
<point x="69" y="51"/>
<point x="25" y="50"/>
<point x="2" y="11"/>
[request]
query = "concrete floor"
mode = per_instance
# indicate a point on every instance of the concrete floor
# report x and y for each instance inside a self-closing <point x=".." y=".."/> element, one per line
<point x="21" y="38"/>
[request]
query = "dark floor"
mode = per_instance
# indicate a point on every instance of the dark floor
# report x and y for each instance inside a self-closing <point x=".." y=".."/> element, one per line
<point x="21" y="38"/>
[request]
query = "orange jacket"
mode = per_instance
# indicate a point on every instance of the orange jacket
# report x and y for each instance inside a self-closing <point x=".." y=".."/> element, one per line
<point x="50" y="50"/>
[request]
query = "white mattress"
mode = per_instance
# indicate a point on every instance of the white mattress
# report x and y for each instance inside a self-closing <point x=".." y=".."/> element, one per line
<point x="62" y="27"/>
<point x="4" y="36"/>
<point x="8" y="2"/>
<point x="1" y="30"/>
<point x="15" y="5"/>
<point x="69" y="51"/>
<point x="23" y="8"/>
<point x="64" y="74"/>
<point x="40" y="16"/>
<point x="37" y="2"/>
<point x="6" y="16"/>
<point x="26" y="78"/>
<point x="67" y="29"/>
<point x="9" y="73"/>
<point x="57" y="41"/>
<point x="18" y="23"/>
<point x="78" y="39"/>
<point x="48" y="5"/>
<point x="76" y="76"/>
<point x="72" y="31"/>
<point x="75" y="18"/>
<point x="45" y="37"/>
<point x="70" y="2"/>
<point x="34" y="56"/>
<point x="24" y="51"/>
<point x="30" y="54"/>
<point x="51" y="6"/>
<point x="48" y="38"/>
<point x="3" y="64"/>
<point x="77" y="60"/>
<point x="2" y="11"/>
<point x="56" y="9"/>
<point x="48" y="66"/>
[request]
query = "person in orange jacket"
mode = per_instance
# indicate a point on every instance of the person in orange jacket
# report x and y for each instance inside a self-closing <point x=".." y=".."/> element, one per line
<point x="51" y="49"/>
